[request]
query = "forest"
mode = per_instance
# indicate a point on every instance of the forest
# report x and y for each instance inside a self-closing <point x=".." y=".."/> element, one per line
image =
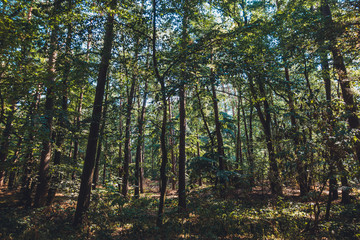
<point x="179" y="119"/>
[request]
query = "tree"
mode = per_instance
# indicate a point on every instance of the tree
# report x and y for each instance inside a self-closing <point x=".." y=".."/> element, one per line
<point x="89" y="162"/>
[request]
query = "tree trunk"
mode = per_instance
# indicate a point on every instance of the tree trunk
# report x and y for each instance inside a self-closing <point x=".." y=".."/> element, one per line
<point x="60" y="136"/>
<point x="77" y="124"/>
<point x="140" y="144"/>
<point x="334" y="155"/>
<point x="43" y="178"/>
<point x="121" y="172"/>
<point x="13" y="170"/>
<point x="265" y="119"/>
<point x="127" y="149"/>
<point x="339" y="65"/>
<point x="249" y="137"/>
<point x="105" y="162"/>
<point x="172" y="155"/>
<point x="29" y="155"/>
<point x="198" y="155"/>
<point x="297" y="140"/>
<point x="101" y="137"/>
<point x="87" y="174"/>
<point x="204" y="119"/>
<point x="220" y="144"/>
<point x="239" y="157"/>
<point x="182" y="153"/>
<point x="142" y="160"/>
<point x="4" y="147"/>
<point x="182" y="110"/>
<point x="163" y="146"/>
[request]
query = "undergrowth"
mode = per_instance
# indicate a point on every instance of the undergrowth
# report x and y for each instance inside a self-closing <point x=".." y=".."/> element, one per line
<point x="250" y="216"/>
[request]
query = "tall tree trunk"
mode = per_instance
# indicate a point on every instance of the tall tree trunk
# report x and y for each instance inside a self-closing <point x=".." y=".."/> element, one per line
<point x="249" y="141"/>
<point x="101" y="137"/>
<point x="87" y="174"/>
<point x="297" y="140"/>
<point x="43" y="179"/>
<point x="142" y="160"/>
<point x="239" y="157"/>
<point x="121" y="172"/>
<point x="77" y="124"/>
<point x="219" y="138"/>
<point x="127" y="149"/>
<point x="339" y="65"/>
<point x="140" y="144"/>
<point x="105" y="162"/>
<point x="79" y="108"/>
<point x="164" y="159"/>
<point x="182" y="153"/>
<point x="60" y="136"/>
<point x="171" y="146"/>
<point x="182" y="111"/>
<point x="198" y="156"/>
<point x="334" y="157"/>
<point x="265" y="119"/>
<point x="204" y="119"/>
<point x="29" y="155"/>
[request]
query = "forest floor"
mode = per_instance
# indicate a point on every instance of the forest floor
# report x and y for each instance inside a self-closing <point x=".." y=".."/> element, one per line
<point x="237" y="214"/>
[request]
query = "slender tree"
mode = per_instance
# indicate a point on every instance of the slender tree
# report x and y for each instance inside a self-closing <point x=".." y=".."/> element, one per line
<point x="87" y="173"/>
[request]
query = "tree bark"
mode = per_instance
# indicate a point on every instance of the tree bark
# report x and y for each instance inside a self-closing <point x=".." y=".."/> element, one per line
<point x="87" y="174"/>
